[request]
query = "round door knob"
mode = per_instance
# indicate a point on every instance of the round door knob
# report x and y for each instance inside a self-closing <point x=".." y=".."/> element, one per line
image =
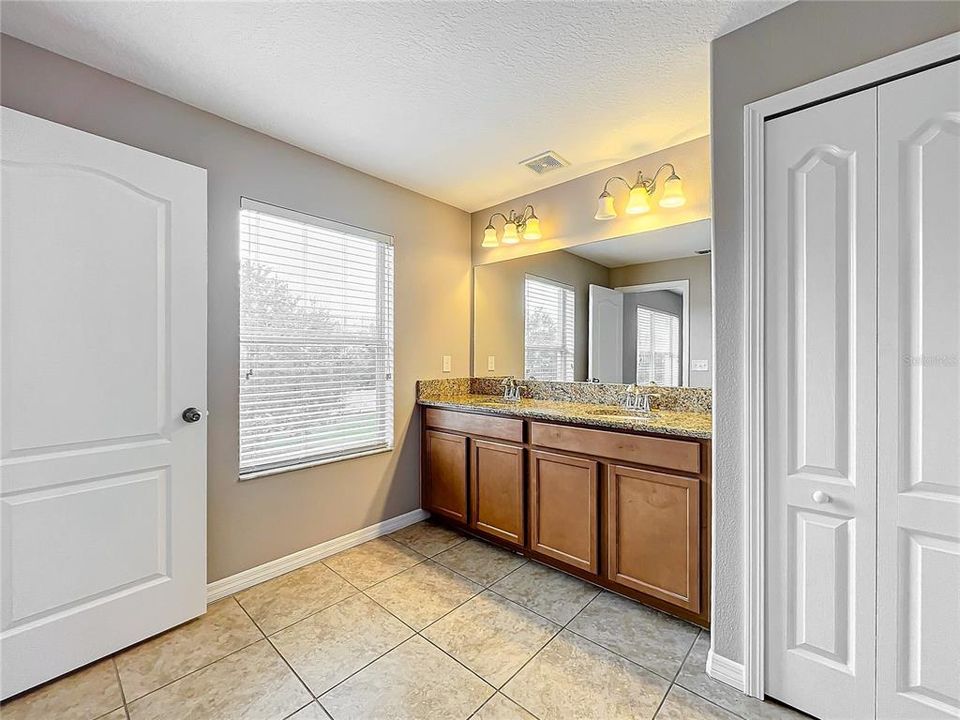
<point x="191" y="415"/>
<point x="821" y="497"/>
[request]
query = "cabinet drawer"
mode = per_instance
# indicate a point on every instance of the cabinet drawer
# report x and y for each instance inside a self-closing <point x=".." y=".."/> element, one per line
<point x="483" y="425"/>
<point x="681" y="455"/>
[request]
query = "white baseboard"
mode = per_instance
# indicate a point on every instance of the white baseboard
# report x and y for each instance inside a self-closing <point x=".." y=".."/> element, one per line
<point x="725" y="670"/>
<point x="248" y="578"/>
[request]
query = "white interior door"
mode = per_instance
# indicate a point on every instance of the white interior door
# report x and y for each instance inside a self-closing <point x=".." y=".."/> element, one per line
<point x="918" y="600"/>
<point x="103" y="326"/>
<point x="606" y="335"/>
<point x="820" y="395"/>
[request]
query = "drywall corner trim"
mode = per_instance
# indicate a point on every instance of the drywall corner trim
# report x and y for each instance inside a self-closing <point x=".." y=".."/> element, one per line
<point x="725" y="670"/>
<point x="269" y="570"/>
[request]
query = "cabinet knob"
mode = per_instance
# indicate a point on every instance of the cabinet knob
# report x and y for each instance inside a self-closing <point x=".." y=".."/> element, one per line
<point x="821" y="497"/>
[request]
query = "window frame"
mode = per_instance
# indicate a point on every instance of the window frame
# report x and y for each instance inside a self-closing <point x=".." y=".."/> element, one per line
<point x="385" y="368"/>
<point x="527" y="277"/>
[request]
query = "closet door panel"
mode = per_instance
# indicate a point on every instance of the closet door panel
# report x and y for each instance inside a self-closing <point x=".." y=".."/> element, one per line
<point x="820" y="414"/>
<point x="919" y="396"/>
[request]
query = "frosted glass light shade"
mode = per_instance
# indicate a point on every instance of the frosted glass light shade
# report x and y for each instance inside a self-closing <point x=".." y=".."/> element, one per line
<point x="672" y="193"/>
<point x="510" y="236"/>
<point x="639" y="202"/>
<point x="532" y="229"/>
<point x="605" y="208"/>
<point x="490" y="237"/>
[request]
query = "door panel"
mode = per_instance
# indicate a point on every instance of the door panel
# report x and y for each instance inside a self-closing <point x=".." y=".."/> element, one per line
<point x="606" y="335"/>
<point x="103" y="490"/>
<point x="820" y="413"/>
<point x="919" y="402"/>
<point x="653" y="534"/>
<point x="563" y="509"/>
<point x="496" y="490"/>
<point x="446" y="458"/>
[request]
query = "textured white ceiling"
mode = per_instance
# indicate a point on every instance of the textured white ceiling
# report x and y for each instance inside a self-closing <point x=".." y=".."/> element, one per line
<point x="676" y="241"/>
<point x="444" y="98"/>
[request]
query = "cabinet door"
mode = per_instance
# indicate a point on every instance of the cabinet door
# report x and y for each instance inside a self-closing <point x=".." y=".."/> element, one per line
<point x="446" y="476"/>
<point x="563" y="509"/>
<point x="653" y="534"/>
<point x="496" y="490"/>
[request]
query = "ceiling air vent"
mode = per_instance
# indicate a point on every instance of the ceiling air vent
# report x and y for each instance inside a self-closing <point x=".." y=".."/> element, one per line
<point x="544" y="162"/>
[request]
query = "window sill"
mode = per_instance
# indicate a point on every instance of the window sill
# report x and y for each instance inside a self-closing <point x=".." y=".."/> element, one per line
<point x="312" y="463"/>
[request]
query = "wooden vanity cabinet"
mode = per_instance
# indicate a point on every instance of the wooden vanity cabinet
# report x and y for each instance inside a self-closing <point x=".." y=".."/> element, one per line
<point x="445" y="474"/>
<point x="563" y="509"/>
<point x="653" y="534"/>
<point x="627" y="511"/>
<point x="496" y="490"/>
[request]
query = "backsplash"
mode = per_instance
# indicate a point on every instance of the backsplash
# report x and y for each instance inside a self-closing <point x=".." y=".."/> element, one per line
<point x="682" y="399"/>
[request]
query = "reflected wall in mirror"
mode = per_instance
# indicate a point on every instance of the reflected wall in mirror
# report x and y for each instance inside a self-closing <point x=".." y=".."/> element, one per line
<point x="630" y="309"/>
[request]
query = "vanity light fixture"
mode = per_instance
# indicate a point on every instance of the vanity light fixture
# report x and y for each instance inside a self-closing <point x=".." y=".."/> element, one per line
<point x="525" y="225"/>
<point x="640" y="193"/>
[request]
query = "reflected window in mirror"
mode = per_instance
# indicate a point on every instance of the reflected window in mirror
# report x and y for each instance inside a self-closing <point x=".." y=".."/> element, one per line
<point x="658" y="347"/>
<point x="548" y="338"/>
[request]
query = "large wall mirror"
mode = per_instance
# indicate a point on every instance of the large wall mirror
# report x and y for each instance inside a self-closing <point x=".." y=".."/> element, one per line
<point x="629" y="309"/>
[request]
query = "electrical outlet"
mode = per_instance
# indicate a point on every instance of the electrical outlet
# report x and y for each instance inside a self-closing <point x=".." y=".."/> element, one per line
<point x="491" y="363"/>
<point x="445" y="361"/>
<point x="701" y="365"/>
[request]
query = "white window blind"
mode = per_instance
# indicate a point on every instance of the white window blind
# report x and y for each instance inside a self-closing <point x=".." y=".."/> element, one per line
<point x="316" y="340"/>
<point x="658" y="347"/>
<point x="548" y="330"/>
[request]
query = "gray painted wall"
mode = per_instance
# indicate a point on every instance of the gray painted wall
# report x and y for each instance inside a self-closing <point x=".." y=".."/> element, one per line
<point x="252" y="522"/>
<point x="801" y="43"/>
<point x="657" y="300"/>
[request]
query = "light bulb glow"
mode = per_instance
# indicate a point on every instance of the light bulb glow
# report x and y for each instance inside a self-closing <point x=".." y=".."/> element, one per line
<point x="672" y="193"/>
<point x="605" y="208"/>
<point x="531" y="230"/>
<point x="510" y="236"/>
<point x="490" y="237"/>
<point x="639" y="202"/>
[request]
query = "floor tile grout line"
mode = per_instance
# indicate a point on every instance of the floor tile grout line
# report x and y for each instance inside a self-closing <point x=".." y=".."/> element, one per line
<point x="312" y="701"/>
<point x="360" y="670"/>
<point x="675" y="676"/>
<point x="123" y="695"/>
<point x="461" y="664"/>
<point x="195" y="671"/>
<point x="280" y="654"/>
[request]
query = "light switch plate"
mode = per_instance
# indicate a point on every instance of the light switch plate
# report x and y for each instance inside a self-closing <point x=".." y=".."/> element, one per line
<point x="491" y="363"/>
<point x="445" y="360"/>
<point x="701" y="365"/>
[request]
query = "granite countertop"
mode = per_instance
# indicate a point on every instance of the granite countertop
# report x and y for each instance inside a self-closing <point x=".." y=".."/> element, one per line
<point x="665" y="422"/>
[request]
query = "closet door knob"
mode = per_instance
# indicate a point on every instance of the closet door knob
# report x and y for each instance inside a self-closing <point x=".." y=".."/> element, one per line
<point x="821" y="497"/>
<point x="191" y="415"/>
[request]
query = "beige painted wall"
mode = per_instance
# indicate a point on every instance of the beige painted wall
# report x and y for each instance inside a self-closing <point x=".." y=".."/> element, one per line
<point x="498" y="308"/>
<point x="803" y="42"/>
<point x="697" y="271"/>
<point x="255" y="521"/>
<point x="566" y="211"/>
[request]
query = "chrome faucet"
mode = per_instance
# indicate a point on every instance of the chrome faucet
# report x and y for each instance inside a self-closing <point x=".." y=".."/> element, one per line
<point x="511" y="389"/>
<point x="637" y="400"/>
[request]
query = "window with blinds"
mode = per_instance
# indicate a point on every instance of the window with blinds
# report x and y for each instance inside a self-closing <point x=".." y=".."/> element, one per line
<point x="548" y="330"/>
<point x="658" y="347"/>
<point x="316" y="340"/>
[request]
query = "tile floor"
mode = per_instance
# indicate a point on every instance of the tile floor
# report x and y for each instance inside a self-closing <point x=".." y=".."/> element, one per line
<point x="424" y="623"/>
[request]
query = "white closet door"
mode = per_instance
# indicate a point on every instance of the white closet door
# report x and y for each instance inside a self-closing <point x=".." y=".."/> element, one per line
<point x="820" y="427"/>
<point x="918" y="597"/>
